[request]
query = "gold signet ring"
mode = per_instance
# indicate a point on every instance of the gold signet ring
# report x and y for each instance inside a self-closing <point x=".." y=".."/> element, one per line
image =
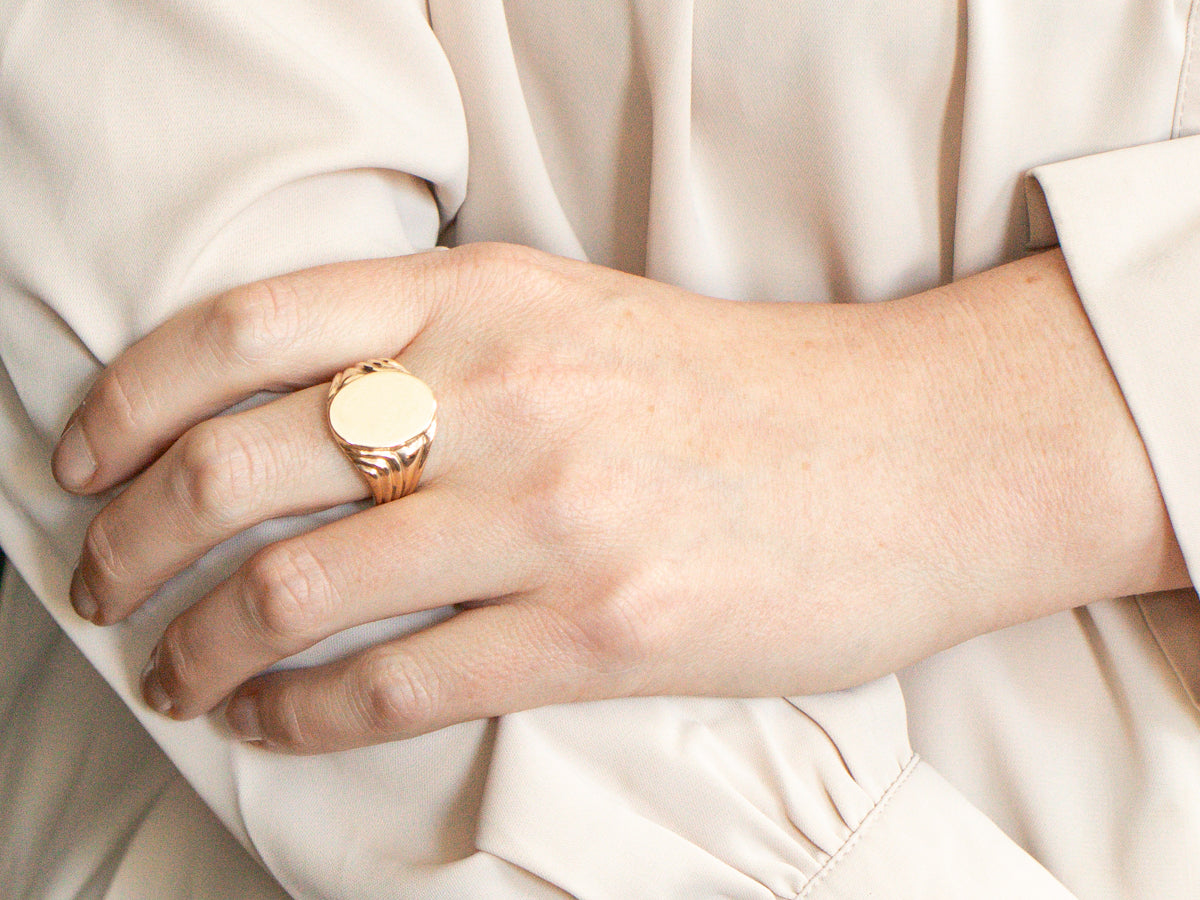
<point x="383" y="418"/>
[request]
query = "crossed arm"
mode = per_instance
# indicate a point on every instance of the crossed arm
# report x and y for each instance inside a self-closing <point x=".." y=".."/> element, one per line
<point x="634" y="489"/>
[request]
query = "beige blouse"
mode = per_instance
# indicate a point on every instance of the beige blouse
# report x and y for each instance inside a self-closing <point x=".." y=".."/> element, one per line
<point x="154" y="154"/>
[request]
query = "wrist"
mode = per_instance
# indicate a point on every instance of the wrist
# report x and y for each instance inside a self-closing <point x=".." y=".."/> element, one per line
<point x="1031" y="450"/>
<point x="963" y="460"/>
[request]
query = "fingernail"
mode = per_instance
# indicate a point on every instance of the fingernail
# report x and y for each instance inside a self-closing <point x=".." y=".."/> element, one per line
<point x="242" y="716"/>
<point x="152" y="690"/>
<point x="74" y="465"/>
<point x="81" y="598"/>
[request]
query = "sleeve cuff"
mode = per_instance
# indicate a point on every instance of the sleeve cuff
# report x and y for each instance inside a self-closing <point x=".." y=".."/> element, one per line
<point x="1128" y="222"/>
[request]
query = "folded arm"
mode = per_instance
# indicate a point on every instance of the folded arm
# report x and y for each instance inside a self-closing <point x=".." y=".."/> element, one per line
<point x="635" y="489"/>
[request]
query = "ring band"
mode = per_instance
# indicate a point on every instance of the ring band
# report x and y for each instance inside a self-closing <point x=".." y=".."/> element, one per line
<point x="383" y="418"/>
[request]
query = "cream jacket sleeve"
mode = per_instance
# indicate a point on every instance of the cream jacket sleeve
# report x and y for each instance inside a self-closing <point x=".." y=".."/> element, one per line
<point x="1128" y="222"/>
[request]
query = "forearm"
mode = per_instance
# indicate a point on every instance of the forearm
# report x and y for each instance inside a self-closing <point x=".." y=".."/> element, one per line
<point x="987" y="464"/>
<point x="1068" y="457"/>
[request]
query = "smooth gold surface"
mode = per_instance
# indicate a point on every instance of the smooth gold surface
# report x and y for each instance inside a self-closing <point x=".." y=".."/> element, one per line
<point x="382" y="409"/>
<point x="384" y="420"/>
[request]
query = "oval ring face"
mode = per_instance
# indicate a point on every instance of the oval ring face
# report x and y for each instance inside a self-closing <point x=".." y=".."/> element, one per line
<point x="382" y="409"/>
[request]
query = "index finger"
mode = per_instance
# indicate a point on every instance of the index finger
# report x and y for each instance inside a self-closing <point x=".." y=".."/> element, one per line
<point x="283" y="333"/>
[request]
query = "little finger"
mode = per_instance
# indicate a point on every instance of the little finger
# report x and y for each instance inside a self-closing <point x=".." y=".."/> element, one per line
<point x="482" y="662"/>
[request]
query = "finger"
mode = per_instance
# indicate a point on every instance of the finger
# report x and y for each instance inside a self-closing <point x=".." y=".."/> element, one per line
<point x="220" y="478"/>
<point x="290" y="331"/>
<point x="480" y="663"/>
<point x="432" y="548"/>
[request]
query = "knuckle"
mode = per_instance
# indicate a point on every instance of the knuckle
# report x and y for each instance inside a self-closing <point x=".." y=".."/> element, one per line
<point x="282" y="715"/>
<point x="397" y="694"/>
<point x="542" y="400"/>
<point x="533" y="392"/>
<point x="121" y="401"/>
<point x="101" y="557"/>
<point x="609" y="635"/>
<point x="288" y="595"/>
<point x="252" y="325"/>
<point x="621" y="629"/>
<point x="486" y="270"/>
<point x="217" y="470"/>
<point x="565" y="506"/>
<point x="172" y="663"/>
<point x="492" y="255"/>
<point x="548" y="510"/>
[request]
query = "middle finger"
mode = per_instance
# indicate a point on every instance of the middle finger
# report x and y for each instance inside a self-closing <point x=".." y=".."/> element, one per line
<point x="220" y="478"/>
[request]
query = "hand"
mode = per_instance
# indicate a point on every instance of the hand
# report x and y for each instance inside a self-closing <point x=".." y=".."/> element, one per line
<point x="633" y="490"/>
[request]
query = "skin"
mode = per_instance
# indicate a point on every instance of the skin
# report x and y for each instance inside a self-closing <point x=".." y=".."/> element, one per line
<point x="634" y="489"/>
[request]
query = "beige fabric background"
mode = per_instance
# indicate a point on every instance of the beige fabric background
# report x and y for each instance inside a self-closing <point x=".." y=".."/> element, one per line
<point x="153" y="155"/>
